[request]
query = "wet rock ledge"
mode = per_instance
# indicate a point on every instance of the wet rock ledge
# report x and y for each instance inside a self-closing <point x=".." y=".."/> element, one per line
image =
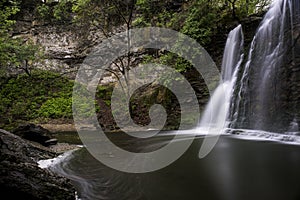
<point x="21" y="178"/>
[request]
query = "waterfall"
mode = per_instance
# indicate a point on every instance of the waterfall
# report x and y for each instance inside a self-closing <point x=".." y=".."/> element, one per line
<point x="267" y="95"/>
<point x="216" y="112"/>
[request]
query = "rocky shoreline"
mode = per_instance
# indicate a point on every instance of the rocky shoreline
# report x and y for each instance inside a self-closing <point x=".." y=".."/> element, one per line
<point x="22" y="178"/>
<point x="63" y="147"/>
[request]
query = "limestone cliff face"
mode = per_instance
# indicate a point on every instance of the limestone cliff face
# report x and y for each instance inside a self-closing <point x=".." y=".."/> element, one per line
<point x="64" y="47"/>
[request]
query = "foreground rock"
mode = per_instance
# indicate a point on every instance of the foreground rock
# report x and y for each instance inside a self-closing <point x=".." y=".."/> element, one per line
<point x="21" y="178"/>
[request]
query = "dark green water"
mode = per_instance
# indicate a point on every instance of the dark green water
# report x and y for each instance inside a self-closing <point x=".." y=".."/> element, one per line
<point x="235" y="170"/>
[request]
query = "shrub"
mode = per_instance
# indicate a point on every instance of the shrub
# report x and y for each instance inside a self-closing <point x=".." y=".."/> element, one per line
<point x="56" y="108"/>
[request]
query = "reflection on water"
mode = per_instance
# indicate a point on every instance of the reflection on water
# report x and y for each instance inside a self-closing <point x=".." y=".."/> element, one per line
<point x="235" y="170"/>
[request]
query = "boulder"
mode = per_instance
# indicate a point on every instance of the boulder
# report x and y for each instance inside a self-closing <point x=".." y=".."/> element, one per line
<point x="21" y="178"/>
<point x="35" y="133"/>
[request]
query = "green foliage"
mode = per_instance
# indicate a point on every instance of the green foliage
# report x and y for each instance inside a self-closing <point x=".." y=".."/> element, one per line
<point x="200" y="22"/>
<point x="14" y="52"/>
<point x="153" y="13"/>
<point x="84" y="105"/>
<point x="43" y="95"/>
<point x="179" y="63"/>
<point x="107" y="102"/>
<point x="141" y="22"/>
<point x="63" y="11"/>
<point x="105" y="14"/>
<point x="55" y="12"/>
<point x="80" y="5"/>
<point x="44" y="11"/>
<point x="8" y="9"/>
<point x="104" y="91"/>
<point x="23" y="96"/>
<point x="199" y="19"/>
<point x="243" y="8"/>
<point x="56" y="108"/>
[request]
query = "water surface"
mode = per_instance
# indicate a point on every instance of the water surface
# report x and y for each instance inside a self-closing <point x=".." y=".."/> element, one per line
<point x="235" y="170"/>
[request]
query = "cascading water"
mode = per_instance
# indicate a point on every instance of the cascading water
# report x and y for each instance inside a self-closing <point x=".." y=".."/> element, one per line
<point x="268" y="96"/>
<point x="216" y="112"/>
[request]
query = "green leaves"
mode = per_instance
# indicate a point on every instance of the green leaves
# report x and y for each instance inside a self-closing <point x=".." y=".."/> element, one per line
<point x="14" y="52"/>
<point x="153" y="13"/>
<point x="56" y="108"/>
<point x="22" y="97"/>
<point x="200" y="22"/>
<point x="104" y="14"/>
<point x="8" y="9"/>
<point x="43" y="95"/>
<point x="55" y="12"/>
<point x="63" y="11"/>
<point x="44" y="11"/>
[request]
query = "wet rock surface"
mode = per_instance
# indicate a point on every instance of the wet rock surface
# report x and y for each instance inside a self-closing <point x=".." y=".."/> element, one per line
<point x="21" y="178"/>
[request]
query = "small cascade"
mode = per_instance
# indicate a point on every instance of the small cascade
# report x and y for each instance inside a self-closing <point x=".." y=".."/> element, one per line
<point x="216" y="112"/>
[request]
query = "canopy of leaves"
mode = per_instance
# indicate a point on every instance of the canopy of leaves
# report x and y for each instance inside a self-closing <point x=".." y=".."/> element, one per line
<point x="103" y="14"/>
<point x="199" y="19"/>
